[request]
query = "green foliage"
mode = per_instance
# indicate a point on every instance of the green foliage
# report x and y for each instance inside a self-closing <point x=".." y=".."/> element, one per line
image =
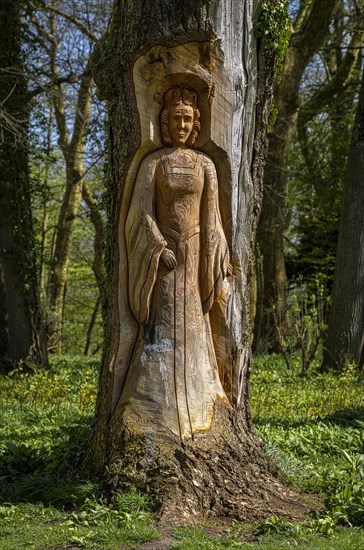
<point x="273" y="534"/>
<point x="274" y="28"/>
<point x="345" y="498"/>
<point x="44" y="427"/>
<point x="313" y="429"/>
<point x="82" y="291"/>
<point x="313" y="220"/>
<point x="281" y="526"/>
<point x="285" y="397"/>
<point x="71" y="378"/>
<point x="316" y="171"/>
<point x="305" y="324"/>
<point x="43" y="430"/>
<point x="95" y="526"/>
<point x="119" y="523"/>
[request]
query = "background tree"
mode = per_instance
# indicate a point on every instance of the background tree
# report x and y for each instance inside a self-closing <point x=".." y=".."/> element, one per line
<point x="345" y="338"/>
<point x="65" y="34"/>
<point x="316" y="168"/>
<point x="21" y="334"/>
<point x="51" y="25"/>
<point x="310" y="28"/>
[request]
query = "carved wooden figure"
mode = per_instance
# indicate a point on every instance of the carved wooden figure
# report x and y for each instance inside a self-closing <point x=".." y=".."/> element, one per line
<point x="177" y="265"/>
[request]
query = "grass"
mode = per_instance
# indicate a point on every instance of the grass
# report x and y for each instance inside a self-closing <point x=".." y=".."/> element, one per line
<point x="313" y="429"/>
<point x="342" y="539"/>
<point x="44" y="427"/>
<point x="312" y="426"/>
<point x="94" y="526"/>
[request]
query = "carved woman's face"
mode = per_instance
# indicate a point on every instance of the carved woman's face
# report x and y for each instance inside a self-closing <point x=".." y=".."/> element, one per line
<point x="180" y="123"/>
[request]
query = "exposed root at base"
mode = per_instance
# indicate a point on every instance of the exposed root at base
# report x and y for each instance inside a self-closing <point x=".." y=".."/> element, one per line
<point x="222" y="471"/>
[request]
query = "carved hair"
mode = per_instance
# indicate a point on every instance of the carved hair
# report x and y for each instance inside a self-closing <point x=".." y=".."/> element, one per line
<point x="177" y="96"/>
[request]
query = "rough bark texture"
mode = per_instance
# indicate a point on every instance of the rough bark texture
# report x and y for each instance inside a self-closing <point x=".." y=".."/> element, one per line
<point x="222" y="470"/>
<point x="345" y="339"/>
<point x="311" y="28"/>
<point x="222" y="467"/>
<point x="21" y="334"/>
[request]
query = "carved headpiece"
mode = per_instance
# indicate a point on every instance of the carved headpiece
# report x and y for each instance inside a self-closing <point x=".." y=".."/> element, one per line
<point x="177" y="96"/>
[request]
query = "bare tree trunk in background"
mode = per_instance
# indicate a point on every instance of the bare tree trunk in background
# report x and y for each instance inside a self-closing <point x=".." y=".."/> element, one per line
<point x="73" y="149"/>
<point x="21" y="331"/>
<point x="329" y="96"/>
<point x="346" y="325"/>
<point x="68" y="56"/>
<point x="310" y="29"/>
<point x="221" y="466"/>
<point x="98" y="262"/>
<point x="91" y="325"/>
<point x="98" y="222"/>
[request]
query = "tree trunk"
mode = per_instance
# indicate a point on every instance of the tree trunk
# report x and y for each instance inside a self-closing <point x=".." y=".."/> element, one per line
<point x="73" y="151"/>
<point x="346" y="325"/>
<point x="98" y="222"/>
<point x="310" y="30"/>
<point x="21" y="334"/>
<point x="71" y="141"/>
<point x="91" y="325"/>
<point x="210" y="49"/>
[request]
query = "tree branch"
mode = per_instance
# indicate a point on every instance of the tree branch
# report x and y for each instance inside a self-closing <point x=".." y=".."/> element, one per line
<point x="313" y="24"/>
<point x="324" y="95"/>
<point x="57" y="94"/>
<point x="55" y="82"/>
<point x="71" y="18"/>
<point x="83" y="107"/>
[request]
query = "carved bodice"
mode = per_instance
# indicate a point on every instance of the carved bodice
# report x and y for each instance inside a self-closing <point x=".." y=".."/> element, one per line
<point x="179" y="187"/>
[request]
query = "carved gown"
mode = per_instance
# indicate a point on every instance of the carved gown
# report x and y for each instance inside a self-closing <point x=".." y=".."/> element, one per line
<point x="173" y="374"/>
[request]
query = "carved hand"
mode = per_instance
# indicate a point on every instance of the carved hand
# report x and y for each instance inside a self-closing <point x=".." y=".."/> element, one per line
<point x="168" y="258"/>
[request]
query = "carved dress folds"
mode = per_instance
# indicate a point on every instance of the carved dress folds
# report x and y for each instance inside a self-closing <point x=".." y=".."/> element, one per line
<point x="173" y="373"/>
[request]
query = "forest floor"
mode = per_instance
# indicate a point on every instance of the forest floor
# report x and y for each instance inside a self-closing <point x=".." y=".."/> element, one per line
<point x="312" y="427"/>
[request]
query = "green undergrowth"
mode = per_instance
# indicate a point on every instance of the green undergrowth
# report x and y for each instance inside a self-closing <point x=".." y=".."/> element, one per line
<point x="44" y="427"/>
<point x="312" y="427"/>
<point x="313" y="430"/>
<point x="92" y="525"/>
<point x="196" y="539"/>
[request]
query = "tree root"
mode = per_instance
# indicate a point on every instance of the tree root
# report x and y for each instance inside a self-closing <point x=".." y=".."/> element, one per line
<point x="221" y="471"/>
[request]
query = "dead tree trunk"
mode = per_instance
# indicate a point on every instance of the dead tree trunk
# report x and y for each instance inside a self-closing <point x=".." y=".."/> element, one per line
<point x="345" y="338"/>
<point x="204" y="50"/>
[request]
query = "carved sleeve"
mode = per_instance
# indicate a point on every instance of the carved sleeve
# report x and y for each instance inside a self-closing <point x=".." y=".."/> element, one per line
<point x="144" y="241"/>
<point x="214" y="253"/>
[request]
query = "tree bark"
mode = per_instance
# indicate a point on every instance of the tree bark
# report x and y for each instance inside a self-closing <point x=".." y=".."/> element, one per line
<point x="21" y="332"/>
<point x="209" y="47"/>
<point x="311" y="28"/>
<point x="346" y="325"/>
